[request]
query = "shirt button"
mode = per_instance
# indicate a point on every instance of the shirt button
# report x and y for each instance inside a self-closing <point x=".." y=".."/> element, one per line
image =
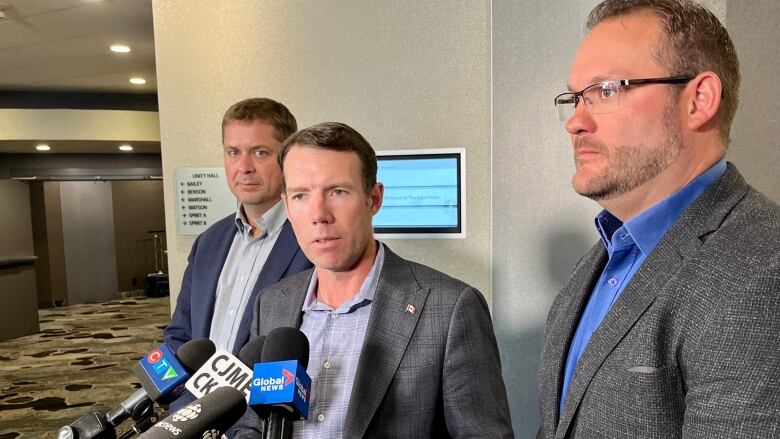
<point x="242" y="279"/>
<point x="333" y="316"/>
<point x="612" y="281"/>
<point x="326" y="365"/>
<point x="320" y="417"/>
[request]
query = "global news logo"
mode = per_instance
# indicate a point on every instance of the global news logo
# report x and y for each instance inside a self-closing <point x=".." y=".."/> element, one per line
<point x="272" y="384"/>
<point x="161" y="366"/>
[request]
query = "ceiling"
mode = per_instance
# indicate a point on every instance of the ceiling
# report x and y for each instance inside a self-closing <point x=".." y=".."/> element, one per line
<point x="63" y="45"/>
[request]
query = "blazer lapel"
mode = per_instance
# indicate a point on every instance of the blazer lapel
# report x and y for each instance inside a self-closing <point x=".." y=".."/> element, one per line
<point x="216" y="251"/>
<point x="574" y="297"/>
<point x="398" y="303"/>
<point x="683" y="240"/>
<point x="641" y="291"/>
<point x="283" y="305"/>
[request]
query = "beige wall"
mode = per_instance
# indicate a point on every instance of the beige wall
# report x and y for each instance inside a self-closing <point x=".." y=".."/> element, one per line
<point x="138" y="209"/>
<point x="405" y="74"/>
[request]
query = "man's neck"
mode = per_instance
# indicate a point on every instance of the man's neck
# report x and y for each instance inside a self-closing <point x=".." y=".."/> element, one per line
<point x="630" y="204"/>
<point x="252" y="213"/>
<point x="337" y="287"/>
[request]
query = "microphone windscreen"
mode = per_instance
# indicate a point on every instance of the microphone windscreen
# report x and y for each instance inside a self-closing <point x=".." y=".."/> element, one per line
<point x="209" y="416"/>
<point x="252" y="351"/>
<point x="282" y="344"/>
<point x="193" y="354"/>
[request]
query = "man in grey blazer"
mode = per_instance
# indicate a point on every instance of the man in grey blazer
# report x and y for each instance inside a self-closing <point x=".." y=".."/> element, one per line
<point x="670" y="326"/>
<point x="397" y="349"/>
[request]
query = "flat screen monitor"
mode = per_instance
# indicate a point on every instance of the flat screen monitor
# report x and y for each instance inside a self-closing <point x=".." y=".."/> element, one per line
<point x="423" y="194"/>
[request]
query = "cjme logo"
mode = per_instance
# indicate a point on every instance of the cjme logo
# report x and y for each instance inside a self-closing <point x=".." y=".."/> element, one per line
<point x="271" y="384"/>
<point x="157" y="360"/>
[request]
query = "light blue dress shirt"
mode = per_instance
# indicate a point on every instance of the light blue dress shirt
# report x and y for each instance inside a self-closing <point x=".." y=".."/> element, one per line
<point x="627" y="246"/>
<point x="335" y="342"/>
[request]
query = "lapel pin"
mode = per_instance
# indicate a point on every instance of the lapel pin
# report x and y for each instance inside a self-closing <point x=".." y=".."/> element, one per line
<point x="410" y="309"/>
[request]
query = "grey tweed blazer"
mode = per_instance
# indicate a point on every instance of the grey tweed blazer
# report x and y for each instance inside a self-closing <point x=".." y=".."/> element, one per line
<point x="691" y="348"/>
<point x="433" y="373"/>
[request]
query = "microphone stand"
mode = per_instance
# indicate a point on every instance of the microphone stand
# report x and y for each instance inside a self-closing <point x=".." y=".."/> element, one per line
<point x="277" y="426"/>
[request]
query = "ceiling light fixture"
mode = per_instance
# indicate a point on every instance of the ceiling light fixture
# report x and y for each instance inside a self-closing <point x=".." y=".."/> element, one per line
<point x="43" y="147"/>
<point x="137" y="81"/>
<point x="120" y="48"/>
<point x="125" y="148"/>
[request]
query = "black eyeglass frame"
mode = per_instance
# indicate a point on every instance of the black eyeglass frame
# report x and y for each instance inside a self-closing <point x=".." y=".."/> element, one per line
<point x="578" y="95"/>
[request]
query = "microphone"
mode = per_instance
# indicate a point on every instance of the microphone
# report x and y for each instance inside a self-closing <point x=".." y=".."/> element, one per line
<point x="139" y="406"/>
<point x="251" y="352"/>
<point x="162" y="375"/>
<point x="280" y="386"/>
<point x="223" y="369"/>
<point x="207" y="417"/>
<point x="93" y="425"/>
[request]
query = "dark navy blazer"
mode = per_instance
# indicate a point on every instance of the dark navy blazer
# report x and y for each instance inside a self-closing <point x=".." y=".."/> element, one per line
<point x="195" y="305"/>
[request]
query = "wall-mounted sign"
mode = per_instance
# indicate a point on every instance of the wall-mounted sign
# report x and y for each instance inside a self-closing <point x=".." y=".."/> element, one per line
<point x="202" y="198"/>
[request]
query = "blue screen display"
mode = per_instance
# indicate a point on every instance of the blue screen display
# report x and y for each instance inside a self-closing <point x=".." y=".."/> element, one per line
<point x="422" y="194"/>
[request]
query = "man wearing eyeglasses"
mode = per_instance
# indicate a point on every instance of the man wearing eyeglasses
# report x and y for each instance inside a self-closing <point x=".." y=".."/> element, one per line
<point x="670" y="326"/>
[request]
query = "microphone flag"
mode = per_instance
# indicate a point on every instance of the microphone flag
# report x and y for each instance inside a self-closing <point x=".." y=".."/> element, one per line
<point x="223" y="369"/>
<point x="284" y="383"/>
<point x="162" y="374"/>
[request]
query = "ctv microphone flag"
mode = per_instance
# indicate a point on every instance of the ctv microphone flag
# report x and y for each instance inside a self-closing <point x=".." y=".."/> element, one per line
<point x="223" y="369"/>
<point x="161" y="374"/>
<point x="282" y="383"/>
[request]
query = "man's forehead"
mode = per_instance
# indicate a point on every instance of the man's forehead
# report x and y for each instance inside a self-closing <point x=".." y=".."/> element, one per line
<point x="617" y="48"/>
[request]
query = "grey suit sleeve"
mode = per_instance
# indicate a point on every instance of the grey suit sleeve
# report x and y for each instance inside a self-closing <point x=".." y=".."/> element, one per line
<point x="732" y="369"/>
<point x="474" y="396"/>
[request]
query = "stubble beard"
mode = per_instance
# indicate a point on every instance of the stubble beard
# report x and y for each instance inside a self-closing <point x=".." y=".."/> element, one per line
<point x="630" y="166"/>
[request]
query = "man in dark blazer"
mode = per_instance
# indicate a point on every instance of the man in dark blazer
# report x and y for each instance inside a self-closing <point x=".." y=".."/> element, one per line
<point x="398" y="349"/>
<point x="669" y="327"/>
<point x="234" y="259"/>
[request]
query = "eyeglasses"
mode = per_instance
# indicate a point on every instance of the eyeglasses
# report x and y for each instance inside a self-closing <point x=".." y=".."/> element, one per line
<point x="604" y="97"/>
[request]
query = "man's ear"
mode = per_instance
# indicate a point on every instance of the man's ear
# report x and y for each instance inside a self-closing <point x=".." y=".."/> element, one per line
<point x="703" y="101"/>
<point x="375" y="197"/>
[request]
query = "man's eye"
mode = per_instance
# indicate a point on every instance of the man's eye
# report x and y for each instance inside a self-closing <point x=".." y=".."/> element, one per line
<point x="297" y="196"/>
<point x="608" y="92"/>
<point x="261" y="153"/>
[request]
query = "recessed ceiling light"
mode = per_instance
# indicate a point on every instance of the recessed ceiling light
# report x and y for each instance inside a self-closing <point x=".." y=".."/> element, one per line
<point x="138" y="81"/>
<point x="125" y="148"/>
<point x="120" y="48"/>
<point x="43" y="147"/>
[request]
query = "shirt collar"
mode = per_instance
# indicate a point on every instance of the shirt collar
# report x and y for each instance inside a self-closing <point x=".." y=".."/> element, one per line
<point x="366" y="293"/>
<point x="650" y="226"/>
<point x="270" y="222"/>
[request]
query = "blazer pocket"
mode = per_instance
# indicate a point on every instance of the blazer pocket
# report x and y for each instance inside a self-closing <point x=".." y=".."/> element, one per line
<point x="645" y="379"/>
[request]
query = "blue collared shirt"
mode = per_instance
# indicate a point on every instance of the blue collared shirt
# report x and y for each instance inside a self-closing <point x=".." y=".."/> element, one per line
<point x="628" y="244"/>
<point x="335" y="342"/>
<point x="245" y="260"/>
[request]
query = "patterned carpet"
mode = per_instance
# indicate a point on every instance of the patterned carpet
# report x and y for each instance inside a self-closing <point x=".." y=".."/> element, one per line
<point x="81" y="361"/>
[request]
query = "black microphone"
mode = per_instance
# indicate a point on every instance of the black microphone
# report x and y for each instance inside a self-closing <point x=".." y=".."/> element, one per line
<point x="191" y="356"/>
<point x="252" y="351"/>
<point x="285" y="348"/>
<point x="207" y="417"/>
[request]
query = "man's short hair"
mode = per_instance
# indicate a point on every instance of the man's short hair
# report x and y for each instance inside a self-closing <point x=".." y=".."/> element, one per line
<point x="337" y="137"/>
<point x="694" y="41"/>
<point x="264" y="110"/>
